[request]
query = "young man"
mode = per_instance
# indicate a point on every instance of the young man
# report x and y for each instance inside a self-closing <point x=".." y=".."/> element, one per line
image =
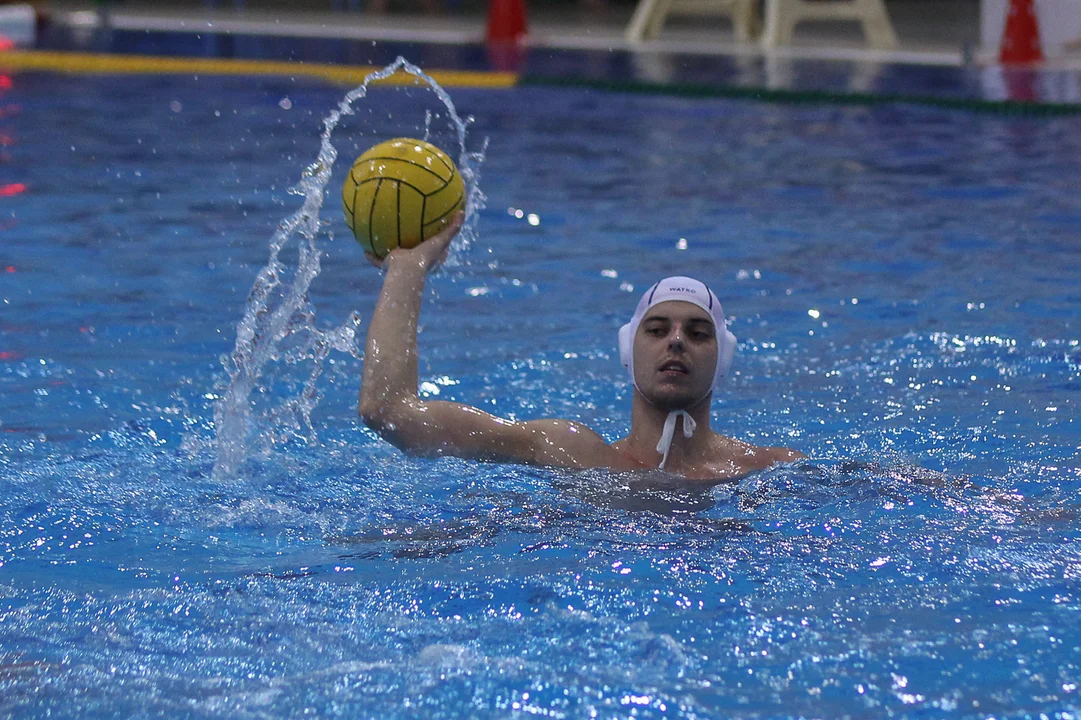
<point x="677" y="349"/>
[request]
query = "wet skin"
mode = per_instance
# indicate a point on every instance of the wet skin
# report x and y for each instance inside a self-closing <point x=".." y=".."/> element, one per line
<point x="675" y="356"/>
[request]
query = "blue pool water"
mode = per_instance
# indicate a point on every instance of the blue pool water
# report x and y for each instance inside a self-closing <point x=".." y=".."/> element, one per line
<point x="903" y="282"/>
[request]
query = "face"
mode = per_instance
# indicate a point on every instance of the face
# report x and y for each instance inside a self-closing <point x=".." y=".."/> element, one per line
<point x="675" y="355"/>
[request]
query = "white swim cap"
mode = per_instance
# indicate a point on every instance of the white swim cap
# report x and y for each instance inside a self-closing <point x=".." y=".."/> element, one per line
<point x="684" y="289"/>
<point x="689" y="290"/>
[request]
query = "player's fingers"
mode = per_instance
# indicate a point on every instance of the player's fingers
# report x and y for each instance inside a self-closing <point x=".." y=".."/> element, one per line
<point x="444" y="236"/>
<point x="443" y="239"/>
<point x="374" y="259"/>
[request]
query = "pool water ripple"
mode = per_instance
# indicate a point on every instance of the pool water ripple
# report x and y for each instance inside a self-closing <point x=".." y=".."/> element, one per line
<point x="902" y="284"/>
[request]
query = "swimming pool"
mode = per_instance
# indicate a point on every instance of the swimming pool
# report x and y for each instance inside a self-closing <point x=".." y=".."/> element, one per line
<point x="903" y="284"/>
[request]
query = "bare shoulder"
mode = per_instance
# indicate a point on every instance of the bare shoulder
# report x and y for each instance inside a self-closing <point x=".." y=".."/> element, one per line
<point x="781" y="454"/>
<point x="565" y="443"/>
<point x="756" y="457"/>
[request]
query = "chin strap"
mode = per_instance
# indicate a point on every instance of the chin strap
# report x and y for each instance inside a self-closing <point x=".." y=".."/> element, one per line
<point x="670" y="430"/>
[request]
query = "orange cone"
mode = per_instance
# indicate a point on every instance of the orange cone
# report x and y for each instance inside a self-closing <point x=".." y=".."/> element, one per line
<point x="506" y="20"/>
<point x="1021" y="40"/>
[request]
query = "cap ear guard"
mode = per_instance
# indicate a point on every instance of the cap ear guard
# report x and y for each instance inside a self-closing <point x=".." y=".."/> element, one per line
<point x="626" y="348"/>
<point x="726" y="351"/>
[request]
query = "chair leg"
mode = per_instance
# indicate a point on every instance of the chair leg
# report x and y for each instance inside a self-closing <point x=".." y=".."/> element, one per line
<point x="745" y="20"/>
<point x="876" y="24"/>
<point x="639" y="24"/>
<point x="660" y="15"/>
<point x="781" y="18"/>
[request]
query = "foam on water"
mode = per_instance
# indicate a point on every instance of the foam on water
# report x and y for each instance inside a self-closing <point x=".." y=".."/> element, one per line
<point x="342" y="578"/>
<point x="276" y="311"/>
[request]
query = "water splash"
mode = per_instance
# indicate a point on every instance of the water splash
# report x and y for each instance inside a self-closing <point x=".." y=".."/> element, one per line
<point x="277" y="309"/>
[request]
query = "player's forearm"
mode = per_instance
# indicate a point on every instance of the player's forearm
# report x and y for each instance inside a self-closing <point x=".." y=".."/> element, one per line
<point x="390" y="355"/>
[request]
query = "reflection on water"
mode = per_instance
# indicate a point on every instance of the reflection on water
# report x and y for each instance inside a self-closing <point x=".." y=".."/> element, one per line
<point x="656" y="511"/>
<point x="923" y="562"/>
<point x="445" y="582"/>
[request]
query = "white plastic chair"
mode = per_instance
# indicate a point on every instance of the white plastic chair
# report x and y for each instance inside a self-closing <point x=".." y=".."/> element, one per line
<point x="782" y="16"/>
<point x="650" y="15"/>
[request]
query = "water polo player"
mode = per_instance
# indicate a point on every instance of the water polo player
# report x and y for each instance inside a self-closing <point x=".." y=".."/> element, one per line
<point x="676" y="347"/>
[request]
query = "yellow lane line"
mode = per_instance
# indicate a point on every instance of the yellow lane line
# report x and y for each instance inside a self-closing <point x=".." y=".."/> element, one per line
<point x="87" y="63"/>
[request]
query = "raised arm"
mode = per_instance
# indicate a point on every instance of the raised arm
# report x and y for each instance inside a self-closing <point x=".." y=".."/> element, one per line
<point x="389" y="403"/>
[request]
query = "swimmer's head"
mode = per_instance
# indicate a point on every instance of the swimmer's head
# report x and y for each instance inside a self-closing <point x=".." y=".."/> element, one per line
<point x="683" y="290"/>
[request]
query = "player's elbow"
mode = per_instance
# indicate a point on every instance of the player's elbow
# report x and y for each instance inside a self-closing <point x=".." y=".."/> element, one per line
<point x="395" y="423"/>
<point x="377" y="408"/>
<point x="371" y="413"/>
<point x="379" y="415"/>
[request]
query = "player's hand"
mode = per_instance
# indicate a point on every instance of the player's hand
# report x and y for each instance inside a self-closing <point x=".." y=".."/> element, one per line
<point x="429" y="255"/>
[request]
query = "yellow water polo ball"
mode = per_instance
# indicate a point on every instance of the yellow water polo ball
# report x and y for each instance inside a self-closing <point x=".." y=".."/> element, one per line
<point x="400" y="193"/>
